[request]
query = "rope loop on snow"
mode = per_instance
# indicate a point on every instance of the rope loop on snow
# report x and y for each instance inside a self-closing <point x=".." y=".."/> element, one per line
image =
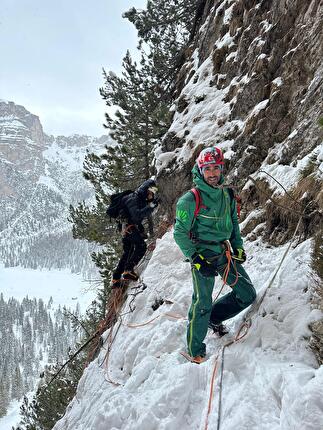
<point x="166" y="314"/>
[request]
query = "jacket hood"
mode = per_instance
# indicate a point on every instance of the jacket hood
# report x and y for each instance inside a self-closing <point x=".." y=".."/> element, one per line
<point x="142" y="190"/>
<point x="201" y="184"/>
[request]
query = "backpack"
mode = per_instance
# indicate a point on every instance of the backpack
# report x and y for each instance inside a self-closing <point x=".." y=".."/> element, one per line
<point x="199" y="204"/>
<point x="116" y="207"/>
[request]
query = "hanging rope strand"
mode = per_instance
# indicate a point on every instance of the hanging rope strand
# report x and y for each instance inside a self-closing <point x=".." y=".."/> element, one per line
<point x="246" y="323"/>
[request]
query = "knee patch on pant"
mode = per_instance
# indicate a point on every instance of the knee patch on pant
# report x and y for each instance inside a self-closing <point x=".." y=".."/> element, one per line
<point x="246" y="295"/>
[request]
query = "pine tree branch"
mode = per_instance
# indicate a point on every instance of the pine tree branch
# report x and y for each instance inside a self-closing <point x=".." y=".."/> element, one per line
<point x="97" y="333"/>
<point x="68" y="313"/>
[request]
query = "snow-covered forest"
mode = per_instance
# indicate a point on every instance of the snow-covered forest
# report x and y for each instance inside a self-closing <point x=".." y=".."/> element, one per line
<point x="33" y="335"/>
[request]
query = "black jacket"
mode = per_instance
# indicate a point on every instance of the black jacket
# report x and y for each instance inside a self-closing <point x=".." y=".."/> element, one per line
<point x="137" y="205"/>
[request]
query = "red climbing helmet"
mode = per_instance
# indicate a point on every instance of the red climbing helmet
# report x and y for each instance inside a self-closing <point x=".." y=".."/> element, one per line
<point x="211" y="155"/>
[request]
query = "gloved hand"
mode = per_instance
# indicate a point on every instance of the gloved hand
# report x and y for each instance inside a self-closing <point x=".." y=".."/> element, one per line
<point x="153" y="204"/>
<point x="239" y="255"/>
<point x="205" y="267"/>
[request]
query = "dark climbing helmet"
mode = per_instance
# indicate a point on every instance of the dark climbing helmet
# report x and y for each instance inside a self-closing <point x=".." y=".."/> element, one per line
<point x="211" y="155"/>
<point x="148" y="185"/>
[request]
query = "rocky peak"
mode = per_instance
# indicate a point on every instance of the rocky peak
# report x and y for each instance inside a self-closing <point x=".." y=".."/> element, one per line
<point x="17" y="125"/>
<point x="25" y="149"/>
<point x="21" y="145"/>
<point x="40" y="176"/>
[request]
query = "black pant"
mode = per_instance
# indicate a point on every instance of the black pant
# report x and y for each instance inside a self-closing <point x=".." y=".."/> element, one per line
<point x="134" y="248"/>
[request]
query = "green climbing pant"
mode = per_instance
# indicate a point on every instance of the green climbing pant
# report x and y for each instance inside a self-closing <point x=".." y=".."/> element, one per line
<point x="202" y="312"/>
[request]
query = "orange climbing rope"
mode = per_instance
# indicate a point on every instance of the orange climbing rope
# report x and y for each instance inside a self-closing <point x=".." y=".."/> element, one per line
<point x="107" y="356"/>
<point x="240" y="335"/>
<point x="209" y="407"/>
<point x="227" y="271"/>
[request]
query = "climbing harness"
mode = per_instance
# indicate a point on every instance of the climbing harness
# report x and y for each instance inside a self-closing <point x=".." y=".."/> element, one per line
<point x="127" y="229"/>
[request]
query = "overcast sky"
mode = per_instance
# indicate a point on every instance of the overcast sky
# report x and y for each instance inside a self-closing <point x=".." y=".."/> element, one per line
<point x="51" y="58"/>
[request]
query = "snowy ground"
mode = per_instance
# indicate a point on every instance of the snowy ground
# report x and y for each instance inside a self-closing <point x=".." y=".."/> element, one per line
<point x="12" y="417"/>
<point x="271" y="379"/>
<point x="66" y="289"/>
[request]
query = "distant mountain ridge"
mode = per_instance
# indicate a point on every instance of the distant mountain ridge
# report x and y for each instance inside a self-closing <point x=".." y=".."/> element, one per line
<point x="40" y="176"/>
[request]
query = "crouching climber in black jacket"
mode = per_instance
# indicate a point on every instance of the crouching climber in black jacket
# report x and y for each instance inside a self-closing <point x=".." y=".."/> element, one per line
<point x="137" y="206"/>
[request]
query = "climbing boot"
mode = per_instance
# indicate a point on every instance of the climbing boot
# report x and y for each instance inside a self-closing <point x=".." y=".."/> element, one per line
<point x="198" y="359"/>
<point x="130" y="276"/>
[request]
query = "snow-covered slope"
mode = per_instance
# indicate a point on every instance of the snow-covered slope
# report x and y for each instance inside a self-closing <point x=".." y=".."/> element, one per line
<point x="270" y="381"/>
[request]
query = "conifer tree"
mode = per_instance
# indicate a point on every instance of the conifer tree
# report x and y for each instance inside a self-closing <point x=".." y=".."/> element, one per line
<point x="162" y="21"/>
<point x="50" y="401"/>
<point x="141" y="119"/>
<point x="4" y="401"/>
<point x="17" y="385"/>
<point x="166" y="28"/>
<point x="141" y="97"/>
<point x="140" y="123"/>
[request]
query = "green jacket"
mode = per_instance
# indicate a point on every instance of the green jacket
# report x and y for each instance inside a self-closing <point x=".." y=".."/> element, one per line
<point x="217" y="222"/>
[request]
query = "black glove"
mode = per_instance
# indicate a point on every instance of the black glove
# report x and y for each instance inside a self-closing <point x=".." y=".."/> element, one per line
<point x="144" y="235"/>
<point x="205" y="267"/>
<point x="239" y="255"/>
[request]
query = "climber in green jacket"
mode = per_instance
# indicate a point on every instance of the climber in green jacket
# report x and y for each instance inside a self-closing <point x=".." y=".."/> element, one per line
<point x="211" y="240"/>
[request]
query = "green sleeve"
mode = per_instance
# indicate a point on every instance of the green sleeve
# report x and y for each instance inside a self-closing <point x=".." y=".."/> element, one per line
<point x="235" y="239"/>
<point x="184" y="219"/>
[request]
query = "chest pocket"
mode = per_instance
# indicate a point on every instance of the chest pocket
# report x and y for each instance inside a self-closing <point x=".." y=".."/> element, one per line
<point x="217" y="213"/>
<point x="215" y="219"/>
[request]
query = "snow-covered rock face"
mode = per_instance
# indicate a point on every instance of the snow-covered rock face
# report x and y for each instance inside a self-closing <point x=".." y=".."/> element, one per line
<point x="21" y="144"/>
<point x="252" y="86"/>
<point x="17" y="125"/>
<point x="40" y="176"/>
